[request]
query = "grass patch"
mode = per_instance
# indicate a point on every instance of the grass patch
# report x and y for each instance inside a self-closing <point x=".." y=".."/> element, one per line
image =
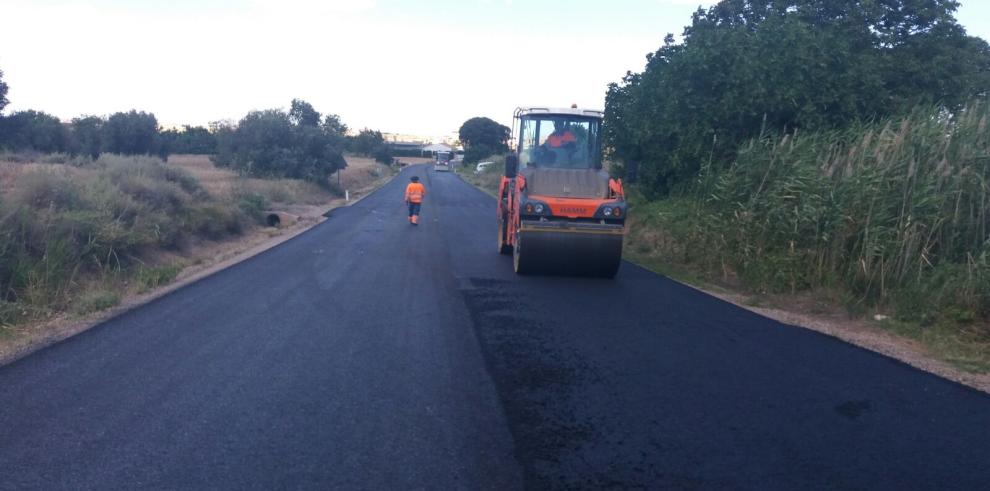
<point x="147" y="279"/>
<point x="489" y="179"/>
<point x="95" y="301"/>
<point x="284" y="191"/>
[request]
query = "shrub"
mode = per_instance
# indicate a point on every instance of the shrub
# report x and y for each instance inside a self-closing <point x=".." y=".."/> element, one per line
<point x="45" y="189"/>
<point x="253" y="205"/>
<point x="214" y="221"/>
<point x="95" y="301"/>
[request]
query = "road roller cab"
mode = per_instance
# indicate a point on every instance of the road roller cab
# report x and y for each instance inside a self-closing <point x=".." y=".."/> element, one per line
<point x="559" y="212"/>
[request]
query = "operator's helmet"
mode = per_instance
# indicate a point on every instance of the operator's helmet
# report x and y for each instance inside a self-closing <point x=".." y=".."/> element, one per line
<point x="414" y="178"/>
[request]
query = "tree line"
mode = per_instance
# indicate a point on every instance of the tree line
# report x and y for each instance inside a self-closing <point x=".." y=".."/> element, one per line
<point x="127" y="133"/>
<point x="295" y="143"/>
<point x="749" y="67"/>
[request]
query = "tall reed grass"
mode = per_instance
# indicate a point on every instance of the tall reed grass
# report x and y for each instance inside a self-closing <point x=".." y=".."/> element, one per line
<point x="894" y="213"/>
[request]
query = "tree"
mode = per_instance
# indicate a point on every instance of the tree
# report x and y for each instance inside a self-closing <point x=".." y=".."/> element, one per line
<point x="275" y="143"/>
<point x="333" y="125"/>
<point x="3" y="92"/>
<point x="384" y="154"/>
<point x="483" y="137"/>
<point x="752" y="66"/>
<point x="191" y="140"/>
<point x="34" y="130"/>
<point x="132" y="133"/>
<point x="302" y="113"/>
<point x="367" y="142"/>
<point x="86" y="134"/>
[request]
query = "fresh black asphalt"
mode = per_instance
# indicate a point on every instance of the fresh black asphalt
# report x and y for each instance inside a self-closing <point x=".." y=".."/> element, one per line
<point x="370" y="354"/>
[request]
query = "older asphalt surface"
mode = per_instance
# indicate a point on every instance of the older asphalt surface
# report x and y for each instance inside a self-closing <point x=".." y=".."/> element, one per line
<point x="370" y="354"/>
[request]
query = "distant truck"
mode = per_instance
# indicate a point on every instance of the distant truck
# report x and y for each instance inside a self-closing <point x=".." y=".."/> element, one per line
<point x="442" y="163"/>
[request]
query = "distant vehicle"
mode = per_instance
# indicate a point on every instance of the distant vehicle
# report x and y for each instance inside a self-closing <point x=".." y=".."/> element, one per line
<point x="442" y="163"/>
<point x="478" y="169"/>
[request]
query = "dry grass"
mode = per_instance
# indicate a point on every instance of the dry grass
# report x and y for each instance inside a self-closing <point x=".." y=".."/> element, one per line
<point x="224" y="183"/>
<point x="11" y="171"/>
<point x="216" y="181"/>
<point x="360" y="172"/>
<point x="64" y="226"/>
<point x="212" y="214"/>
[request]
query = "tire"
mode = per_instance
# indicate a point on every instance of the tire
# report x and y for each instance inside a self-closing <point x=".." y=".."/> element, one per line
<point x="503" y="248"/>
<point x="519" y="264"/>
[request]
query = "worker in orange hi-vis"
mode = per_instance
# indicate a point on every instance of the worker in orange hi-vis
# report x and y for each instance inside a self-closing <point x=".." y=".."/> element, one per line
<point x="415" y="192"/>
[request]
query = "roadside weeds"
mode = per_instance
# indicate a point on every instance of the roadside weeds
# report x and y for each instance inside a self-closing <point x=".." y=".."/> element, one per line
<point x="205" y="259"/>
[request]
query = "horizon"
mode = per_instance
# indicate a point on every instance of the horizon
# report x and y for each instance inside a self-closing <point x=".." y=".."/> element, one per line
<point x="379" y="64"/>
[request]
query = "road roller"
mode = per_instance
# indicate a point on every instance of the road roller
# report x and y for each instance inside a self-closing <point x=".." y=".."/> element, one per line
<point x="558" y="211"/>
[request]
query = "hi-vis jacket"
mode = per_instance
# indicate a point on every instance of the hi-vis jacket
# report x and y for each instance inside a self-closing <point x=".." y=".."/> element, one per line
<point x="415" y="192"/>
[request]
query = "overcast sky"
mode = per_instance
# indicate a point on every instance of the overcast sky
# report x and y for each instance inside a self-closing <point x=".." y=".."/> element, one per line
<point x="420" y="67"/>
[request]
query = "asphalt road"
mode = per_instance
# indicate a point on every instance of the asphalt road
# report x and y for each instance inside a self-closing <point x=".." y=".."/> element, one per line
<point x="370" y="354"/>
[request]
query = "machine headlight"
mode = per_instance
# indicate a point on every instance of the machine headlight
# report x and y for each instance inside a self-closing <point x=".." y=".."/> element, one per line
<point x="539" y="208"/>
<point x="617" y="212"/>
<point x="529" y="208"/>
<point x="607" y="211"/>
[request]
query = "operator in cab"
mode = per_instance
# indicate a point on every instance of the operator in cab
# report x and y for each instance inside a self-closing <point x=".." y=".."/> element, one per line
<point x="561" y="137"/>
<point x="560" y="146"/>
<point x="415" y="191"/>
